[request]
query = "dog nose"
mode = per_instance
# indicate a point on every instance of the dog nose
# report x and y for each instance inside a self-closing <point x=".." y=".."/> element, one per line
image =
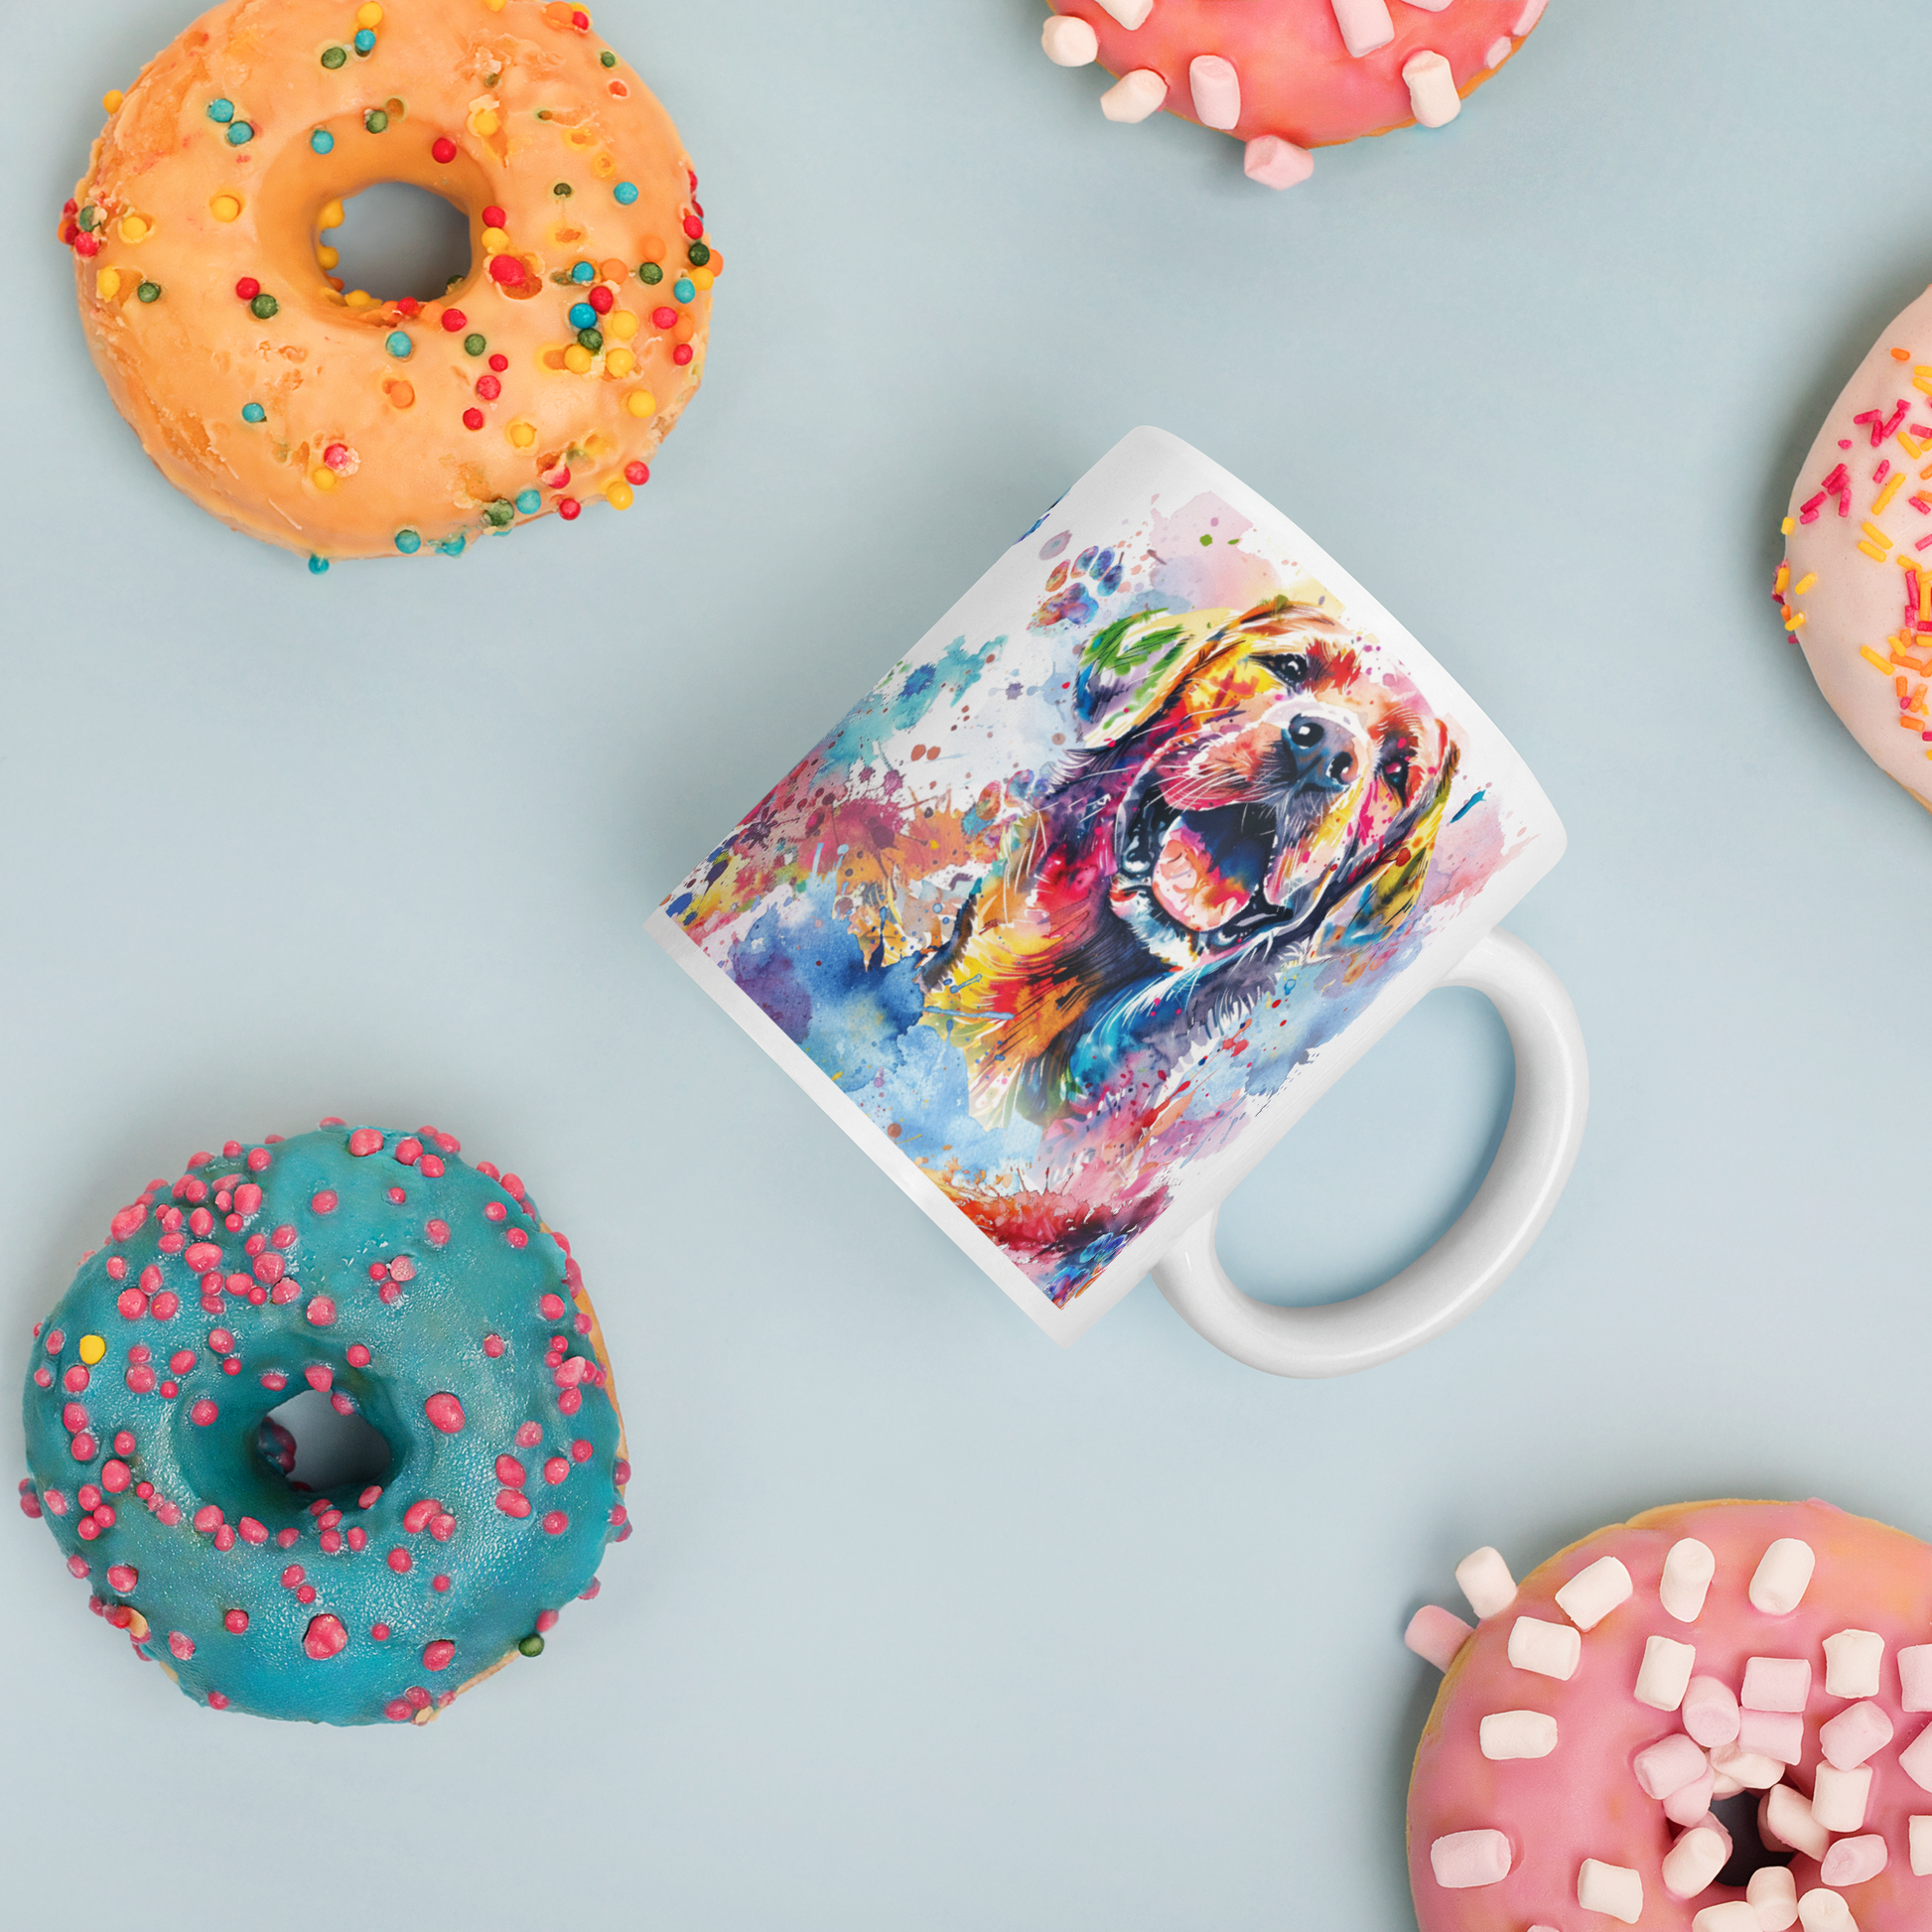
<point x="1325" y="751"/>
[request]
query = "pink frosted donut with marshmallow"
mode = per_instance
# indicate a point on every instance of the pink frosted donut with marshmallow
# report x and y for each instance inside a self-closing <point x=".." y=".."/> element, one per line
<point x="1779" y="1775"/>
<point x="1284" y="76"/>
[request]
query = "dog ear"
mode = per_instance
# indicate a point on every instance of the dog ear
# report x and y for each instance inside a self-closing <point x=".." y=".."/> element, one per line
<point x="1132" y="666"/>
<point x="1389" y="893"/>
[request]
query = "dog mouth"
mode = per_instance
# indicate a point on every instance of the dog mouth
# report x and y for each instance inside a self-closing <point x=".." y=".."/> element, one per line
<point x="1206" y="870"/>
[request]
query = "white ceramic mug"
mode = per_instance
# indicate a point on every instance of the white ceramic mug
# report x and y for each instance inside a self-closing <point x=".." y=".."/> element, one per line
<point x="1106" y="881"/>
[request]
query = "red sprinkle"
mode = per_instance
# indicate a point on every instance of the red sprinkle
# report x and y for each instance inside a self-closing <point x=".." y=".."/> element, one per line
<point x="455" y="320"/>
<point x="569" y="508"/>
<point x="442" y="148"/>
<point x="495" y="217"/>
<point x="445" y="1412"/>
<point x="637" y="473"/>
<point x="488" y="387"/>
<point x="499" y="363"/>
<point x="682" y="354"/>
<point x="472" y="419"/>
<point x="507" y="270"/>
<point x="246" y="289"/>
<point x="325" y="1636"/>
<point x="235" y="1621"/>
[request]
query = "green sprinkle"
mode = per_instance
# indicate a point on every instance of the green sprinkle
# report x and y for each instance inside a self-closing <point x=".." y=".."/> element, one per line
<point x="531" y="1646"/>
<point x="263" y="307"/>
<point x="562" y="188"/>
<point x="253" y="412"/>
<point x="149" y="292"/>
<point x="592" y="339"/>
<point x="334" y="57"/>
<point x="474" y="344"/>
<point x="607" y="59"/>
<point x="650" y="273"/>
<point x="376" y="120"/>
<point x="88" y="217"/>
<point x="699" y="254"/>
<point x="501" y="513"/>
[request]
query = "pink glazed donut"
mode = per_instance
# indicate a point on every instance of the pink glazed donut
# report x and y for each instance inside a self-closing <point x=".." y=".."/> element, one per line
<point x="1708" y="1718"/>
<point x="1287" y="76"/>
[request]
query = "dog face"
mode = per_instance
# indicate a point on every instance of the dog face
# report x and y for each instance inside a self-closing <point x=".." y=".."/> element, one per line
<point x="1244" y="788"/>
<point x="1271" y="771"/>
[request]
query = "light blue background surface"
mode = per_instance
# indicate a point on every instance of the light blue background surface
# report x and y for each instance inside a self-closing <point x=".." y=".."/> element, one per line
<point x="927" y="1623"/>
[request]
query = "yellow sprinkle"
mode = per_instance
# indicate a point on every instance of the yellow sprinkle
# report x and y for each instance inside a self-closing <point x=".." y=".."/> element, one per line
<point x="1872" y="534"/>
<point x="577" y="359"/>
<point x="1923" y="384"/>
<point x="330" y="215"/>
<point x="1782" y="579"/>
<point x="522" y="434"/>
<point x="641" y="402"/>
<point x="111" y="100"/>
<point x="1912" y="449"/>
<point x="621" y="323"/>
<point x="1870" y="656"/>
<point x="360" y="299"/>
<point x="93" y="1349"/>
<point x="494" y="6"/>
<point x="483" y="121"/>
<point x="1794" y="620"/>
<point x="133" y="228"/>
<point x="619" y="493"/>
<point x="323" y="476"/>
<point x="369" y="15"/>
<point x="495" y="242"/>
<point x="1784" y="528"/>
<point x="1871" y="551"/>
<point x="328" y="257"/>
<point x="619" y="361"/>
<point x="225" y="208"/>
<point x="108" y="284"/>
<point x="702" y="278"/>
<point x="1805" y="583"/>
<point x="1888" y="493"/>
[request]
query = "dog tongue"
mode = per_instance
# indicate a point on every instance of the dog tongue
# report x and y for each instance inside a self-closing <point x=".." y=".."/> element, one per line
<point x="1207" y="870"/>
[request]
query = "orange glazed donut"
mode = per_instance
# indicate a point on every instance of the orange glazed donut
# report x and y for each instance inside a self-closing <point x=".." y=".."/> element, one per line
<point x="1288" y="76"/>
<point x="338" y="425"/>
<point x="1710" y="1719"/>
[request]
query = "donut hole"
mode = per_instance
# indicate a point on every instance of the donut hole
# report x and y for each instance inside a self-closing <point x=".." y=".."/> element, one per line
<point x="397" y="240"/>
<point x="1748" y="1852"/>
<point x="332" y="1451"/>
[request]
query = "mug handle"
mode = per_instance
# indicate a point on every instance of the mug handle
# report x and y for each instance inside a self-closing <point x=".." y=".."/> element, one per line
<point x="1472" y="1260"/>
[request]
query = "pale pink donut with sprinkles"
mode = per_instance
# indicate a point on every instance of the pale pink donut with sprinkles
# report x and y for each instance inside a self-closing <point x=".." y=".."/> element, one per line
<point x="1710" y="1719"/>
<point x="1284" y="77"/>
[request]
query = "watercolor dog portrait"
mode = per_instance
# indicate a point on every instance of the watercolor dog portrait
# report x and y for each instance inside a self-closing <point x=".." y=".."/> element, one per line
<point x="1067" y="901"/>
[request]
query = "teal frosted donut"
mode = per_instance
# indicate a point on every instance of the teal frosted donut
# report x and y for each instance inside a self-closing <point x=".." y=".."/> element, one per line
<point x="418" y="1291"/>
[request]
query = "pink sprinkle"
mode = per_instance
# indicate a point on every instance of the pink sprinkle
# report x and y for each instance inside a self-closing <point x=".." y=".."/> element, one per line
<point x="368" y="1495"/>
<point x="319" y="1375"/>
<point x="581" y="1451"/>
<point x="495" y="1212"/>
<point x="30" y="1504"/>
<point x="235" y="1621"/>
<point x="528" y="1435"/>
<point x="439" y="1583"/>
<point x="117" y="1267"/>
<point x="409" y="1150"/>
<point x="122" y="1577"/>
<point x="202" y="1413"/>
<point x="258" y="1160"/>
<point x="325" y="1203"/>
<point x="325" y="1636"/>
<point x="163" y="1307"/>
<point x="416" y="1517"/>
<point x="344" y="1405"/>
<point x="379" y="1631"/>
<point x="445" y="1412"/>
<point x="127" y="1221"/>
<point x="331" y="1542"/>
<point x="399" y="1559"/>
<point x="555" y="1523"/>
<point x="132" y="1303"/>
<point x="181" y="1644"/>
<point x="494" y="1347"/>
<point x="442" y="1527"/>
<point x="398" y="1711"/>
<point x="511" y="1472"/>
<point x="546" y="1621"/>
<point x="269" y="1267"/>
<point x="511" y="1503"/>
<point x="74" y="1381"/>
<point x="274" y="1379"/>
<point x="437" y="1233"/>
<point x="365" y="1140"/>
<point x="554" y="1469"/>
<point x="551" y="1308"/>
<point x="224" y="1537"/>
<point x="320" y="1312"/>
<point x="83" y="1447"/>
<point x="292" y="1575"/>
<point x="437" y="1655"/>
<point x="403" y="1269"/>
<point x="306" y="1595"/>
<point x="569" y="1401"/>
<point x="217" y="1702"/>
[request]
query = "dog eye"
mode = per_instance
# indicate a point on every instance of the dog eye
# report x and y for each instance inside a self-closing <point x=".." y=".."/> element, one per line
<point x="1400" y="772"/>
<point x="1289" y="666"/>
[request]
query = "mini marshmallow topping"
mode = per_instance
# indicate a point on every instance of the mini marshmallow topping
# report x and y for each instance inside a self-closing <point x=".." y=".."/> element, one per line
<point x="1783" y="1575"/>
<point x="1852" y="1661"/>
<point x="1484" y="1578"/>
